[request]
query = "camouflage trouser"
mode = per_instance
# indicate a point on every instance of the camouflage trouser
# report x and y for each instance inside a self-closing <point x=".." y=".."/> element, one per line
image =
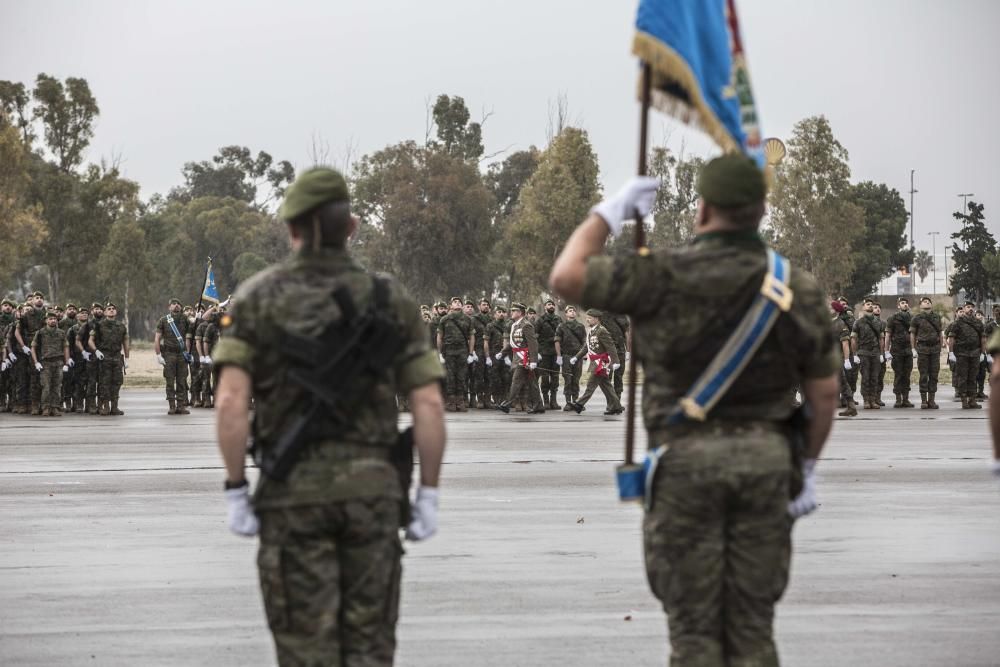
<point x="965" y="374"/>
<point x="571" y="377"/>
<point x="34" y="384"/>
<point x="881" y="377"/>
<point x="50" y="380"/>
<point x="929" y="365"/>
<point x="207" y="390"/>
<point x="93" y="378"/>
<point x="902" y="367"/>
<point x="522" y="379"/>
<point x="196" y="380"/>
<point x="476" y="382"/>
<point x="607" y="388"/>
<point x="870" y="369"/>
<point x="984" y="369"/>
<point x="548" y="371"/>
<point x="22" y="383"/>
<point x="852" y="377"/>
<point x="717" y="543"/>
<point x="330" y="579"/>
<point x="69" y="378"/>
<point x="456" y="368"/>
<point x="620" y="373"/>
<point x="175" y="372"/>
<point x="5" y="384"/>
<point x="845" y="387"/>
<point x="110" y="381"/>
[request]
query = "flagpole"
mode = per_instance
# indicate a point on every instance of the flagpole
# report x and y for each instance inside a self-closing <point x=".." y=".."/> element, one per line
<point x="640" y="242"/>
<point x="201" y="295"/>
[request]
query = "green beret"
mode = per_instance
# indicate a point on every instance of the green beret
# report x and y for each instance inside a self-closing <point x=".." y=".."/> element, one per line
<point x="110" y="305"/>
<point x="501" y="309"/>
<point x="70" y="305"/>
<point x="8" y="302"/>
<point x="173" y="301"/>
<point x="312" y="188"/>
<point x="531" y="311"/>
<point x="593" y="312"/>
<point x="731" y="181"/>
<point x="37" y="294"/>
<point x="454" y="299"/>
<point x="517" y="306"/>
<point x="440" y="304"/>
<point x="548" y="301"/>
<point x="97" y="305"/>
<point x="470" y="302"/>
<point x="485" y="300"/>
<point x="52" y="313"/>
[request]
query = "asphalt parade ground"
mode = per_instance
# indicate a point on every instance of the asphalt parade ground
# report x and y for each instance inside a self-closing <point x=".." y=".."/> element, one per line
<point x="115" y="550"/>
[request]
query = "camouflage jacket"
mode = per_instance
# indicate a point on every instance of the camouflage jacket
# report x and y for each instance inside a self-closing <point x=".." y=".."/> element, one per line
<point x="49" y="344"/>
<point x="840" y="334"/>
<point x="456" y="330"/>
<point x="496" y="335"/>
<point x="347" y="453"/>
<point x="109" y="335"/>
<point x="571" y="336"/>
<point x="868" y="333"/>
<point x="926" y="328"/>
<point x="898" y="329"/>
<point x="31" y="323"/>
<point x="545" y="328"/>
<point x="617" y="326"/>
<point x="967" y="333"/>
<point x="684" y="304"/>
<point x="168" y="339"/>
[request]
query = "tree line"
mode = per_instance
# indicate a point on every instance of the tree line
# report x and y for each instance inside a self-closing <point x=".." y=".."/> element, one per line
<point x="439" y="213"/>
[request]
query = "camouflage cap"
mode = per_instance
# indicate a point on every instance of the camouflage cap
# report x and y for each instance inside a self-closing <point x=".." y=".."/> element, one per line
<point x="500" y="309"/>
<point x="52" y="314"/>
<point x="731" y="181"/>
<point x="99" y="306"/>
<point x="70" y="305"/>
<point x="8" y="302"/>
<point x="593" y="312"/>
<point x="485" y="300"/>
<point x="532" y="311"/>
<point x="37" y="295"/>
<point x="110" y="304"/>
<point x="926" y="298"/>
<point x="312" y="188"/>
<point x="454" y="299"/>
<point x="174" y="301"/>
<point x="548" y="301"/>
<point x="470" y="302"/>
<point x="517" y="306"/>
<point x="191" y="308"/>
<point x="440" y="304"/>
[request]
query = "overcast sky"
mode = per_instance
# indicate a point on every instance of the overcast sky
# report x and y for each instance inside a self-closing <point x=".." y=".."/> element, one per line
<point x="906" y="84"/>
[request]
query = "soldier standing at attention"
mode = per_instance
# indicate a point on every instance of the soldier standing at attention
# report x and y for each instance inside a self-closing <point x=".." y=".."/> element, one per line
<point x="206" y="335"/>
<point x="848" y="316"/>
<point x="843" y="337"/>
<point x="172" y="345"/>
<point x="455" y="340"/>
<point x="927" y="339"/>
<point x="717" y="531"/>
<point x="883" y="360"/>
<point x="485" y="317"/>
<point x="602" y="353"/>
<point x="522" y="345"/>
<point x="867" y="344"/>
<point x="548" y="369"/>
<point x="108" y="342"/>
<point x="93" y="366"/>
<point x="50" y="355"/>
<point x="570" y="339"/>
<point x="475" y="381"/>
<point x="31" y="322"/>
<point x="496" y="339"/>
<point x="900" y="353"/>
<point x="967" y="343"/>
<point x="986" y="361"/>
<point x="76" y="338"/>
<point x="7" y="308"/>
<point x="330" y="552"/>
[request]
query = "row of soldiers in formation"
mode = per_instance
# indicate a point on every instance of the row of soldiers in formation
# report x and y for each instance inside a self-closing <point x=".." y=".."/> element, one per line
<point x="492" y="361"/>
<point x="868" y="345"/>
<point x="184" y="341"/>
<point x="71" y="359"/>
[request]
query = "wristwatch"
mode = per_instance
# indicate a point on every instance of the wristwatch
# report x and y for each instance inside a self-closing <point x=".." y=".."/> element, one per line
<point x="229" y="486"/>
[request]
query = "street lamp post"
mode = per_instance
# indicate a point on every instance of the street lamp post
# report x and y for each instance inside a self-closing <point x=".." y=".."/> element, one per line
<point x="933" y="236"/>
<point x="965" y="201"/>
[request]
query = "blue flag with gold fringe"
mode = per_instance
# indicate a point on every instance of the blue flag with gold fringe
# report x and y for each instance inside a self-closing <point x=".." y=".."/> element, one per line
<point x="210" y="293"/>
<point x="699" y="69"/>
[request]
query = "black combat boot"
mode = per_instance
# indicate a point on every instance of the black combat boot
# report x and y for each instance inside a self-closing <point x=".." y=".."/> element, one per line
<point x="569" y="403"/>
<point x="503" y="407"/>
<point x="906" y="400"/>
<point x="114" y="408"/>
<point x="553" y="403"/>
<point x="924" y="405"/>
<point x="851" y="410"/>
<point x="172" y="406"/>
<point x="930" y="401"/>
<point x="899" y="401"/>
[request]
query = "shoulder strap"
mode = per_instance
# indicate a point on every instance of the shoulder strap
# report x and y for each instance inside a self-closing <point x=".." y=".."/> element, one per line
<point x="774" y="298"/>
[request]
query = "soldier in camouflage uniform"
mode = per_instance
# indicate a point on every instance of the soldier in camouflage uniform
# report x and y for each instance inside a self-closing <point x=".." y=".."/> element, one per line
<point x="884" y="359"/>
<point x="499" y="368"/>
<point x="75" y="337"/>
<point x="867" y="344"/>
<point x="475" y="380"/>
<point x="440" y="310"/>
<point x="717" y="532"/>
<point x="172" y="345"/>
<point x="602" y="352"/>
<point x="548" y="367"/>
<point x="522" y="346"/>
<point x="617" y="326"/>
<point x="848" y="316"/>
<point x="329" y="557"/>
<point x="968" y="344"/>
<point x="455" y="341"/>
<point x="989" y="326"/>
<point x="482" y="365"/>
<point x="50" y="355"/>
<point x="193" y="367"/>
<point x="899" y="352"/>
<point x="7" y="319"/>
<point x="951" y="353"/>
<point x="570" y="339"/>
<point x="92" y="371"/>
<point x="843" y="337"/>
<point x="927" y="339"/>
<point x="31" y="322"/>
<point x="68" y="381"/>
<point x="109" y="345"/>
<point x="205" y="339"/>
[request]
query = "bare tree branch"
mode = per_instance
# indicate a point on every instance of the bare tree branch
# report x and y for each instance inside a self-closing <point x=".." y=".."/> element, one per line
<point x="319" y="149"/>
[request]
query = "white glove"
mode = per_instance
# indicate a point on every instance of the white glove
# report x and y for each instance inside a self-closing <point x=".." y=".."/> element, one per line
<point x="881" y="358"/>
<point x="805" y="502"/>
<point x="498" y="356"/>
<point x="124" y="363"/>
<point x="65" y="368"/>
<point x="857" y="359"/>
<point x="99" y="355"/>
<point x="532" y="366"/>
<point x="26" y="349"/>
<point x="983" y="357"/>
<point x="239" y="514"/>
<point x="208" y="360"/>
<point x="847" y="365"/>
<point x="3" y="365"/>
<point x="915" y="355"/>
<point x="638" y="193"/>
<point x="628" y="356"/>
<point x="86" y="355"/>
<point x="615" y="367"/>
<point x="489" y="362"/>
<point x="441" y="358"/>
<point x="160" y="360"/>
<point x="952" y="358"/>
<point x="507" y="361"/>
<point x="471" y="359"/>
<point x="475" y="356"/>
<point x="888" y="356"/>
<point x="424" y="519"/>
<point x="38" y="367"/>
<point x="572" y="362"/>
<point x="559" y="361"/>
<point x="71" y="363"/>
<point x="12" y="357"/>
